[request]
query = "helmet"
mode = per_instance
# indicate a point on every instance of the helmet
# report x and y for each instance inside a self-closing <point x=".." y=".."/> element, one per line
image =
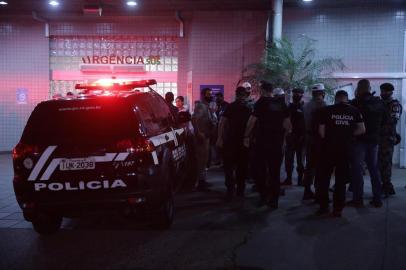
<point x="318" y="87"/>
<point x="278" y="92"/>
<point x="246" y="85"/>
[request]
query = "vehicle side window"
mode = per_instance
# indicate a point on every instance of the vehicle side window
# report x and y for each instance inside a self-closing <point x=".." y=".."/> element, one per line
<point x="148" y="114"/>
<point x="166" y="119"/>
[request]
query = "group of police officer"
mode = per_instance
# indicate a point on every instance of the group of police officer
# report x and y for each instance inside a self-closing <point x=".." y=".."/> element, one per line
<point x="339" y="138"/>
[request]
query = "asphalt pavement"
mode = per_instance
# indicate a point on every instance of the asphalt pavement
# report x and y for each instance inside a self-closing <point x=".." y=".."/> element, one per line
<point x="210" y="233"/>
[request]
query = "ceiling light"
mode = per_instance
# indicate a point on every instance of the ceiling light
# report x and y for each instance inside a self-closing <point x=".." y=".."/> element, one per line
<point x="54" y="3"/>
<point x="3" y="3"/>
<point x="131" y="3"/>
<point x="307" y="0"/>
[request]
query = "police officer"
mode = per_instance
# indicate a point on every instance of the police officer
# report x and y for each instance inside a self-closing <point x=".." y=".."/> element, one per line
<point x="338" y="125"/>
<point x="273" y="121"/>
<point x="204" y="121"/>
<point x="365" y="148"/>
<point x="169" y="98"/>
<point x="389" y="137"/>
<point x="312" y="138"/>
<point x="230" y="138"/>
<point x="295" y="139"/>
<point x="279" y="94"/>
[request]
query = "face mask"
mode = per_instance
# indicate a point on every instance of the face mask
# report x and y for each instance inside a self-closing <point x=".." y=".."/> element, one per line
<point x="297" y="98"/>
<point x="208" y="99"/>
<point x="386" y="95"/>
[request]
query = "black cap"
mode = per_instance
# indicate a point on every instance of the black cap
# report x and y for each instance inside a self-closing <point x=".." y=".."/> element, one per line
<point x="387" y="87"/>
<point x="298" y="90"/>
<point x="341" y="93"/>
<point x="267" y="86"/>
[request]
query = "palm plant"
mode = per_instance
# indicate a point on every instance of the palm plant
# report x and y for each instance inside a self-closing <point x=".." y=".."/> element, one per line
<point x="288" y="67"/>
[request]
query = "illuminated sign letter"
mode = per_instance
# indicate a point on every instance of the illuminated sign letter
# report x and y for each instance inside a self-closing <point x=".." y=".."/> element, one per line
<point x="112" y="60"/>
<point x="140" y="60"/>
<point x="96" y="60"/>
<point x="128" y="60"/>
<point x="86" y="60"/>
<point x="120" y="59"/>
<point x="104" y="60"/>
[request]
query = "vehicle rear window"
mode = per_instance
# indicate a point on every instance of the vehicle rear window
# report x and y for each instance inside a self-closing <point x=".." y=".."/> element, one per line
<point x="155" y="114"/>
<point x="95" y="121"/>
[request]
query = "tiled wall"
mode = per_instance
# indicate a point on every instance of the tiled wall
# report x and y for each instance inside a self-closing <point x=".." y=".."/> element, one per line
<point x="366" y="39"/>
<point x="221" y="45"/>
<point x="24" y="63"/>
<point x="141" y="26"/>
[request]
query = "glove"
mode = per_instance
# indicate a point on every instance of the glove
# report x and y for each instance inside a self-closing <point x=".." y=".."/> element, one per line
<point x="398" y="139"/>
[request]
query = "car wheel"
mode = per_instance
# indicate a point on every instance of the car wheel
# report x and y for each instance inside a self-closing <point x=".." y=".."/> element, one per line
<point x="163" y="217"/>
<point x="189" y="174"/>
<point x="46" y="223"/>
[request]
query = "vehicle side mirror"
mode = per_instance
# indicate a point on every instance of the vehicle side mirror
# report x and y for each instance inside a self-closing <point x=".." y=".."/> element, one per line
<point x="184" y="117"/>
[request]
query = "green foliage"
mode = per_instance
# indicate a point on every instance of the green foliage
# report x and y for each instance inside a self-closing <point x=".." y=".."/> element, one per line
<point x="288" y="67"/>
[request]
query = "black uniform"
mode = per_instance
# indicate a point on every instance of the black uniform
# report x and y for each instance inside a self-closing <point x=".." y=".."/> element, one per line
<point x="270" y="113"/>
<point x="388" y="140"/>
<point x="313" y="146"/>
<point x="339" y="120"/>
<point x="235" y="155"/>
<point x="295" y="142"/>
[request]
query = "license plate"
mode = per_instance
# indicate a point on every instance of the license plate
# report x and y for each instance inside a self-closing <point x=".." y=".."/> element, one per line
<point x="77" y="164"/>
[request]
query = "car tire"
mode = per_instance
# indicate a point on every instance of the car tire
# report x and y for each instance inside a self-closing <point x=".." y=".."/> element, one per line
<point x="46" y="223"/>
<point x="189" y="173"/>
<point x="163" y="217"/>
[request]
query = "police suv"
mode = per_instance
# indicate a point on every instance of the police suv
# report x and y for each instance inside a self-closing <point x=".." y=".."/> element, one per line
<point x="114" y="145"/>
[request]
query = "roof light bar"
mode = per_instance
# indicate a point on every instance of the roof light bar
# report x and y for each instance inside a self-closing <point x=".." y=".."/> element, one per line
<point x="115" y="85"/>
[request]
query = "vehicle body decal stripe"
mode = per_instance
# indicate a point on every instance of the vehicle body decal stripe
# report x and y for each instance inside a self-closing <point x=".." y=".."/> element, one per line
<point x="106" y="158"/>
<point x="51" y="168"/>
<point x="160" y="139"/>
<point x="41" y="162"/>
<point x="155" y="158"/>
<point x="121" y="156"/>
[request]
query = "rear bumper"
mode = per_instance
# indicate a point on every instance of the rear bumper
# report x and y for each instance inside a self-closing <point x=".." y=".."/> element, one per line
<point x="70" y="198"/>
<point x="147" y="199"/>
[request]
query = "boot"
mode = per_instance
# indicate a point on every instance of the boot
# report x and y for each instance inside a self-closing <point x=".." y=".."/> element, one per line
<point x="300" y="179"/>
<point x="308" y="194"/>
<point x="287" y="182"/>
<point x="388" y="189"/>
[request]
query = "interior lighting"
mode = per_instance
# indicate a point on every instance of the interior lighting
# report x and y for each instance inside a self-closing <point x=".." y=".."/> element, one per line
<point x="307" y="0"/>
<point x="3" y="3"/>
<point x="131" y="3"/>
<point x="54" y="3"/>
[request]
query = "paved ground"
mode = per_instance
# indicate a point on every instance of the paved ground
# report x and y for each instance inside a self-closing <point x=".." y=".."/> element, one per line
<point x="211" y="234"/>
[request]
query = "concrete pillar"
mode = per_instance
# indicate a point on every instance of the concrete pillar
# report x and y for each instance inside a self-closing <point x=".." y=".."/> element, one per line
<point x="277" y="8"/>
<point x="402" y="152"/>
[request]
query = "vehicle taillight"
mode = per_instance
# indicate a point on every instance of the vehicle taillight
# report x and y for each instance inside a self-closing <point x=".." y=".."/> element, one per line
<point x="135" y="146"/>
<point x="23" y="150"/>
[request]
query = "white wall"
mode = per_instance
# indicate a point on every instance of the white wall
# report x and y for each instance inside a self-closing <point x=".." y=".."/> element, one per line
<point x="366" y="39"/>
